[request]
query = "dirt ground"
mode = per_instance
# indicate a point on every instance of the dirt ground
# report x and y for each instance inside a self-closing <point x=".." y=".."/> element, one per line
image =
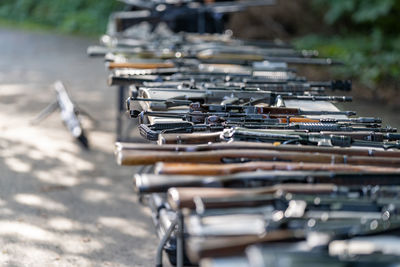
<point x="61" y="205"/>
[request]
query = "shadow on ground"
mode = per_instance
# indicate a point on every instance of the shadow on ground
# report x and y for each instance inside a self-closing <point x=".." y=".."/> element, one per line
<point x="61" y="205"/>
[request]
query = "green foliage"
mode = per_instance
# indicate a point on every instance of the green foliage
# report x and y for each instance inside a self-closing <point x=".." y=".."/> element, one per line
<point x="84" y="16"/>
<point x="368" y="43"/>
<point x="363" y="56"/>
<point x="377" y="13"/>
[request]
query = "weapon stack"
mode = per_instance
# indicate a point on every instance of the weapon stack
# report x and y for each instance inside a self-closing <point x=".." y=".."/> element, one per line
<point x="245" y="162"/>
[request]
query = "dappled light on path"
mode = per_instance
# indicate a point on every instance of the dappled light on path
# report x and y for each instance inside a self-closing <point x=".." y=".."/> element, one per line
<point x="60" y="204"/>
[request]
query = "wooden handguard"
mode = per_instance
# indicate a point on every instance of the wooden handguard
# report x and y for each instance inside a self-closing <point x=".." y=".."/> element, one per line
<point x="131" y="65"/>
<point x="298" y="120"/>
<point x="142" y="157"/>
<point x="225" y="169"/>
<point x="180" y="198"/>
<point x="193" y="138"/>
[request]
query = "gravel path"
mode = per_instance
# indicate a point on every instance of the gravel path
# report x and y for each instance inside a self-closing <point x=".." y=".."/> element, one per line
<point x="61" y="205"/>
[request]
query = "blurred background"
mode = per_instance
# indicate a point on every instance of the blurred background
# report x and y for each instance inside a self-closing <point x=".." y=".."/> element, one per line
<point x="64" y="206"/>
<point x="364" y="34"/>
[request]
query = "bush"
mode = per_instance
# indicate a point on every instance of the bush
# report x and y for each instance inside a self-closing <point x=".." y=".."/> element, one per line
<point x="368" y="42"/>
<point x="84" y="16"/>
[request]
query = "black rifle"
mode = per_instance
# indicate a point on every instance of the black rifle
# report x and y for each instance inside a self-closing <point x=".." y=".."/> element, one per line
<point x="69" y="114"/>
<point x="152" y="131"/>
<point x="241" y="134"/>
<point x="293" y="87"/>
<point x="150" y="183"/>
<point x="234" y="111"/>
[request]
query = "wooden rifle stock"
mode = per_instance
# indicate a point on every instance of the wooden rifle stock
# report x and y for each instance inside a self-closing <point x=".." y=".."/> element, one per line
<point x="142" y="157"/>
<point x="199" y="248"/>
<point x="237" y="145"/>
<point x="180" y="198"/>
<point x="224" y="169"/>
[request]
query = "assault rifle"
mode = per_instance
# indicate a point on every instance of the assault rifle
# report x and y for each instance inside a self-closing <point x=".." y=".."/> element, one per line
<point x="218" y="56"/>
<point x="231" y="117"/>
<point x="151" y="183"/>
<point x="129" y="76"/>
<point x="341" y="139"/>
<point x="146" y="157"/>
<point x="225" y="97"/>
<point x="292" y="87"/>
<point x="218" y="198"/>
<point x="249" y="146"/>
<point x="69" y="114"/>
<point x="235" y="111"/>
<point x="114" y="48"/>
<point x="381" y="245"/>
<point x="204" y="71"/>
<point x="372" y="251"/>
<point x="225" y="169"/>
<point x="223" y="235"/>
<point x="182" y="39"/>
<point x="199" y="58"/>
<point x="153" y="131"/>
<point x="368" y="132"/>
<point x="200" y="248"/>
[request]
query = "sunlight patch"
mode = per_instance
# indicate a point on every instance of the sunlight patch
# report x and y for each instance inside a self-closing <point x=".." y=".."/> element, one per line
<point x="18" y="165"/>
<point x="124" y="226"/>
<point x="25" y="231"/>
<point x="91" y="195"/>
<point x="62" y="224"/>
<point x="39" y="201"/>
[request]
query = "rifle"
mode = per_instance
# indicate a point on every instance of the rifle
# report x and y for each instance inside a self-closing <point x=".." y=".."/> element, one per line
<point x="162" y="131"/>
<point x="377" y="253"/>
<point x="343" y="139"/>
<point x="327" y="139"/>
<point x="219" y="57"/>
<point x="180" y="198"/>
<point x="138" y="76"/>
<point x="139" y="65"/>
<point x="130" y="49"/>
<point x="386" y="245"/>
<point x="273" y="119"/>
<point x="183" y="73"/>
<point x="69" y="114"/>
<point x="239" y="146"/>
<point x="293" y="87"/>
<point x="199" y="248"/>
<point x="226" y="97"/>
<point x="235" y="111"/>
<point x="222" y="57"/>
<point x="208" y="239"/>
<point x="185" y="38"/>
<point x="142" y="157"/>
<point x="170" y="168"/>
<point x="152" y="183"/>
<point x="198" y="63"/>
<point x="220" y="198"/>
<point x="219" y="247"/>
